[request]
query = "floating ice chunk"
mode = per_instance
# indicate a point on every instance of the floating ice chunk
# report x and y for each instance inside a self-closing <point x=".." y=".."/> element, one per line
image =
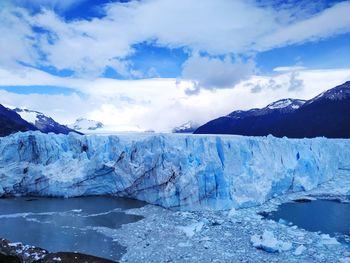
<point x="76" y="210"/>
<point x="345" y="260"/>
<point x="57" y="259"/>
<point x="283" y="222"/>
<point x="269" y="243"/>
<point x="299" y="250"/>
<point x="190" y="230"/>
<point x="232" y="212"/>
<point x="327" y="240"/>
<point x="182" y="244"/>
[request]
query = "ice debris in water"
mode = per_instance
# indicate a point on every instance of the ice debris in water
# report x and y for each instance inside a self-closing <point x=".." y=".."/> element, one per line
<point x="345" y="260"/>
<point x="231" y="212"/>
<point x="190" y="230"/>
<point x="299" y="250"/>
<point x="327" y="240"/>
<point x="269" y="243"/>
<point x="283" y="222"/>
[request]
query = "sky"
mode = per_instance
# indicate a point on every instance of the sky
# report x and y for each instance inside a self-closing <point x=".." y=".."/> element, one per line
<point x="156" y="64"/>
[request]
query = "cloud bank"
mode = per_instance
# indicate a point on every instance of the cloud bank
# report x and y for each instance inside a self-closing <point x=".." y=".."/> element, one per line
<point x="161" y="104"/>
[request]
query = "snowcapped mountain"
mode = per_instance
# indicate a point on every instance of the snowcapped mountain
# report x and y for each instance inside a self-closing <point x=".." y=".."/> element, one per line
<point x="188" y="127"/>
<point x="42" y="122"/>
<point x="328" y="114"/>
<point x="82" y="124"/>
<point x="282" y="106"/>
<point x="286" y="105"/>
<point x="341" y="92"/>
<point x="11" y="122"/>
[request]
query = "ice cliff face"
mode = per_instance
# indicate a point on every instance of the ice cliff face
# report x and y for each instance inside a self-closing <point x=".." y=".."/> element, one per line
<point x="174" y="171"/>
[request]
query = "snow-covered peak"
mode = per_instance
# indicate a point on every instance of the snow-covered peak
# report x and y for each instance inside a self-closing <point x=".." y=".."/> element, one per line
<point x="187" y="127"/>
<point x="284" y="103"/>
<point x="83" y="124"/>
<point x="338" y="93"/>
<point x="42" y="122"/>
<point x="28" y="115"/>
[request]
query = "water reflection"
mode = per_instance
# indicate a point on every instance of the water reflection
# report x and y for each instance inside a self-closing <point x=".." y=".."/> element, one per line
<point x="67" y="224"/>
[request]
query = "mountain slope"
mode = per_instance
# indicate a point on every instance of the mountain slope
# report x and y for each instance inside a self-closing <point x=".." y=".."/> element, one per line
<point x="42" y="122"/>
<point x="11" y="122"/>
<point x="328" y="114"/>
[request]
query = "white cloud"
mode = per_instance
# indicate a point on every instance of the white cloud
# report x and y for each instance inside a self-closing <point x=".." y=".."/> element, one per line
<point x="16" y="38"/>
<point x="289" y="68"/>
<point x="59" y="5"/>
<point x="332" y="21"/>
<point x="161" y="104"/>
<point x="215" y="27"/>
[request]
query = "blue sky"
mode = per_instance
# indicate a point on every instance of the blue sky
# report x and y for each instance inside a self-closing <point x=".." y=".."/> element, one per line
<point x="157" y="61"/>
<point x="77" y="49"/>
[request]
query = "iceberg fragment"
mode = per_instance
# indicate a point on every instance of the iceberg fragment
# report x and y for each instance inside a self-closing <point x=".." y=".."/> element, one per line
<point x="192" y="229"/>
<point x="299" y="250"/>
<point x="268" y="242"/>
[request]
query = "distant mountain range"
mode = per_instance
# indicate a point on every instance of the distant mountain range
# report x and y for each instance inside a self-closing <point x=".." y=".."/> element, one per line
<point x="328" y="115"/>
<point x="188" y="127"/>
<point x="82" y="124"/>
<point x="12" y="121"/>
<point x="42" y="122"/>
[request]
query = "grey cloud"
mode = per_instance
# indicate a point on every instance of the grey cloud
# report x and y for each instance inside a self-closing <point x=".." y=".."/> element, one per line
<point x="216" y="73"/>
<point x="295" y="83"/>
<point x="256" y="89"/>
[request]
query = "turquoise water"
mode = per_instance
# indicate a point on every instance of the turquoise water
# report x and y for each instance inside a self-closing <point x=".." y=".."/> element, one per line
<point x="67" y="225"/>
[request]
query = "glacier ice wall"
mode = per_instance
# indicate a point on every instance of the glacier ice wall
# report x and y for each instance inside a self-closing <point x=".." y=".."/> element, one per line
<point x="172" y="170"/>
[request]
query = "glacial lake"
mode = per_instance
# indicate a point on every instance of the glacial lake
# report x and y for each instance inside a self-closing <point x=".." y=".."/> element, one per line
<point x="327" y="216"/>
<point x="69" y="225"/>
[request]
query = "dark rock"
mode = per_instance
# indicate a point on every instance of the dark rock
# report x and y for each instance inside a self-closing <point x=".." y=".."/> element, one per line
<point x="19" y="253"/>
<point x="302" y="200"/>
<point x="70" y="257"/>
<point x="9" y="259"/>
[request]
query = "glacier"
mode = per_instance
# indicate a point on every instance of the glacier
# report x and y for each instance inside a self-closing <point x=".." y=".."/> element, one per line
<point x="186" y="172"/>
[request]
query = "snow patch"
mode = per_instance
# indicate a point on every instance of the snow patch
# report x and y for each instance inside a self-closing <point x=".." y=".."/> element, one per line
<point x="29" y="116"/>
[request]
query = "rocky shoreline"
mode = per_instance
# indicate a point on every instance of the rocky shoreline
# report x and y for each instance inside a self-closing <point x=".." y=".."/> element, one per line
<point x="20" y="253"/>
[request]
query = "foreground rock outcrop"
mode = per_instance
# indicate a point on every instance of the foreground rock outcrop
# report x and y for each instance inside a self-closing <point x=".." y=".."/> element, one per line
<point x="174" y="171"/>
<point x="19" y="253"/>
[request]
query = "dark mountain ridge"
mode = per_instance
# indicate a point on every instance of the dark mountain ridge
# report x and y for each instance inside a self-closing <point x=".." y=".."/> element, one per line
<point x="11" y="121"/>
<point x="328" y="115"/>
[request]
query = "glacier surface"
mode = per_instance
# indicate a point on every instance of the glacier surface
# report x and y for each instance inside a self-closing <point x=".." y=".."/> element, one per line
<point x="187" y="172"/>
